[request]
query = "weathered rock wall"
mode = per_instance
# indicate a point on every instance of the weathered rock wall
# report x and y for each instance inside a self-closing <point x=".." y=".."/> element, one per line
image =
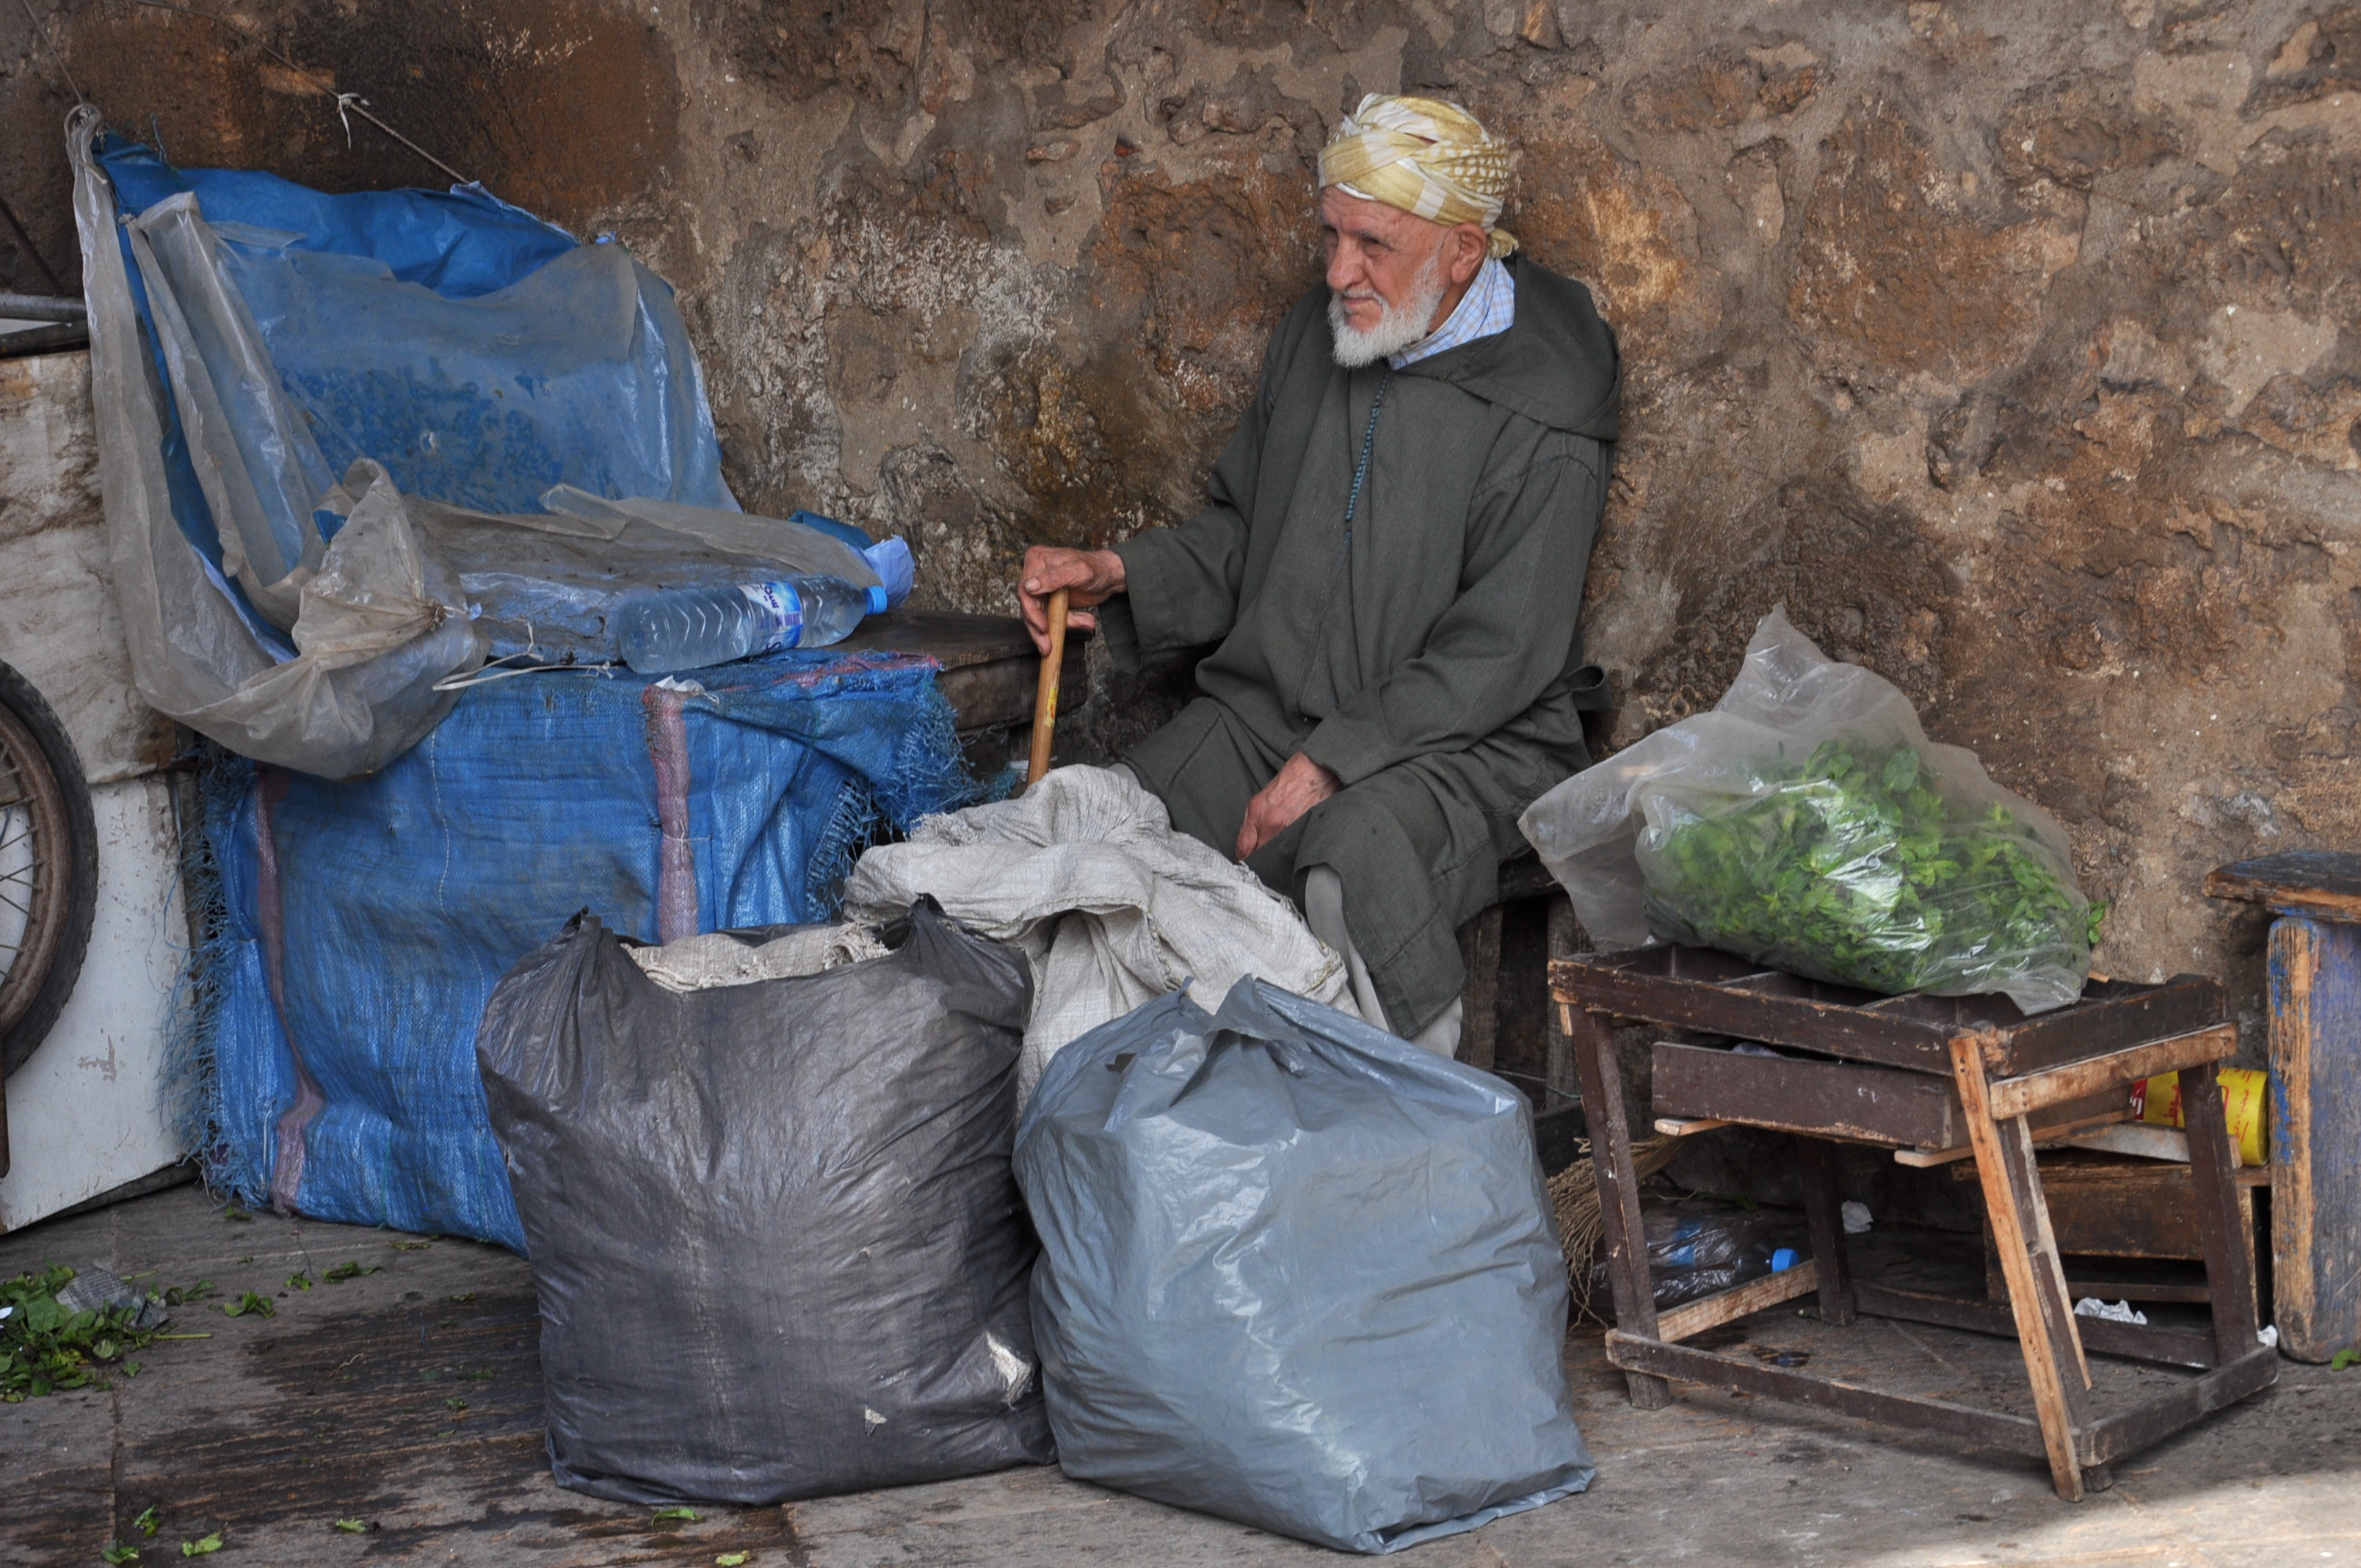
<point x="2015" y="347"/>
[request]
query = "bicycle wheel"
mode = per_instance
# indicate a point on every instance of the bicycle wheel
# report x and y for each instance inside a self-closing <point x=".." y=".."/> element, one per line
<point x="48" y="869"/>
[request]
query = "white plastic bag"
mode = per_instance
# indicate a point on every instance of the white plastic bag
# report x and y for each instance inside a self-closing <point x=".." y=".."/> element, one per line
<point x="1807" y="822"/>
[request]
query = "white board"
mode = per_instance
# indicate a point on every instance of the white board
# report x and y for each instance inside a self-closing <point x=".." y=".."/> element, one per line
<point x="88" y="1114"/>
<point x="58" y="622"/>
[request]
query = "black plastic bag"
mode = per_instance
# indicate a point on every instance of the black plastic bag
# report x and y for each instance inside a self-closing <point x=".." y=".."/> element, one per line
<point x="778" y="1250"/>
<point x="1697" y="1246"/>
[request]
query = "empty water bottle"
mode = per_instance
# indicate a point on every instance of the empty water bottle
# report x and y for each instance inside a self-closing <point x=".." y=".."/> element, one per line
<point x="658" y="631"/>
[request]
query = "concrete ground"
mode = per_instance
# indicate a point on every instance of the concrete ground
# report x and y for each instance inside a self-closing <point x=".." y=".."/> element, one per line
<point x="410" y="1399"/>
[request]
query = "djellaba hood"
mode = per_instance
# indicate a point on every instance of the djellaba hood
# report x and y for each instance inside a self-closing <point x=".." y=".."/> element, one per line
<point x="1556" y="365"/>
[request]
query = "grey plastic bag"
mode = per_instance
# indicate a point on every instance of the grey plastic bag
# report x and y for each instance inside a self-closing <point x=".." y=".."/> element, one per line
<point x="1298" y="1273"/>
<point x="773" y="1234"/>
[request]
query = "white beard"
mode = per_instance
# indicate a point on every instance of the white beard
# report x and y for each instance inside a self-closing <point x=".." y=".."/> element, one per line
<point x="1398" y="326"/>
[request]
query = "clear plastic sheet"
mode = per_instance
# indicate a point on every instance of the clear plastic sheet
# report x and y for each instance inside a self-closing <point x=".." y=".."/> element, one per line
<point x="1807" y="822"/>
<point x="453" y="359"/>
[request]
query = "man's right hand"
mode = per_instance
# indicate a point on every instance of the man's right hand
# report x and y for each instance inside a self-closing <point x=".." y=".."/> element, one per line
<point x="1090" y="577"/>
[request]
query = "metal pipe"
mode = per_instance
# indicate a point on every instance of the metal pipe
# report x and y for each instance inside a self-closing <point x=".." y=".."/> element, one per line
<point x="41" y="308"/>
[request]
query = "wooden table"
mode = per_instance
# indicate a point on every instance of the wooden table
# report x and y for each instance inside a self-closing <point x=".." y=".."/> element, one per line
<point x="989" y="671"/>
<point x="2315" y="999"/>
<point x="1926" y="1074"/>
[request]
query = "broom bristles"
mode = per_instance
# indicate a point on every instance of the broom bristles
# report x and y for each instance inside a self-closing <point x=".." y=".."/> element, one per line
<point x="1574" y="1192"/>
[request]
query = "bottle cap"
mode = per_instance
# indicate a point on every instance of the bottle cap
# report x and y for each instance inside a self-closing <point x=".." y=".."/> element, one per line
<point x="876" y="600"/>
<point x="1782" y="1260"/>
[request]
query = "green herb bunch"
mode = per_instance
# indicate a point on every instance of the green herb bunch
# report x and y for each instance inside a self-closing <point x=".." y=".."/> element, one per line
<point x="44" y="1346"/>
<point x="1853" y="866"/>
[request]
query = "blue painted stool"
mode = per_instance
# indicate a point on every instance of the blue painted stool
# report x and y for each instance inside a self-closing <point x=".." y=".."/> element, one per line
<point x="2315" y="990"/>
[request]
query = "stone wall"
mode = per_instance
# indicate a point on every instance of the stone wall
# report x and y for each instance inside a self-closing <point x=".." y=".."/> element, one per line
<point x="2014" y="346"/>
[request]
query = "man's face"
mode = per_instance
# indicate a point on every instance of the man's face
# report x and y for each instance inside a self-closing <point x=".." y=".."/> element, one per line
<point x="1376" y="254"/>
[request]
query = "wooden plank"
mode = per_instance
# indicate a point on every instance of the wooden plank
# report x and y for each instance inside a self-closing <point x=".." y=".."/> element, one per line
<point x="1566" y="938"/>
<point x="2168" y="1347"/>
<point x="2315" y="992"/>
<point x="2015" y="1434"/>
<point x="1479" y="1013"/>
<point x="1824" y="1209"/>
<point x="1623" y="1233"/>
<point x="1738" y="1301"/>
<point x="2137" y="1139"/>
<point x="2320" y="884"/>
<point x="2112" y="1015"/>
<point x="990" y="668"/>
<point x="2045" y="1322"/>
<point x="1835" y="1099"/>
<point x="1684" y="1126"/>
<point x="2091" y="1075"/>
<point x="2222" y="1216"/>
<point x="2129" y="1432"/>
<point x="1686" y="991"/>
<point x="1726" y="995"/>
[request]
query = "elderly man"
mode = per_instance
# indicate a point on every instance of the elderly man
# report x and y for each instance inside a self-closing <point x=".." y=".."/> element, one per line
<point x="1390" y="563"/>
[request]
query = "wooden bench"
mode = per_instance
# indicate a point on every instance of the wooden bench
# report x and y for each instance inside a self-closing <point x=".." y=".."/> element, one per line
<point x="1924" y="1074"/>
<point x="990" y="671"/>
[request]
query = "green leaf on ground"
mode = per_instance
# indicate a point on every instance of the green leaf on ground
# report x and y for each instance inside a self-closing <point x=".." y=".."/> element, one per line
<point x="731" y="1559"/>
<point x="356" y="1527"/>
<point x="431" y="1376"/>
<point x="464" y="1297"/>
<point x="481" y="1375"/>
<point x="456" y="1402"/>
<point x="148" y="1520"/>
<point x="412" y="1247"/>
<point x="299" y="1280"/>
<point x="44" y="1347"/>
<point x="235" y="1212"/>
<point x="115" y="1552"/>
<point x="2343" y="1359"/>
<point x="250" y="1305"/>
<point x="352" y="1270"/>
<point x="202" y="1545"/>
<point x="675" y="1515"/>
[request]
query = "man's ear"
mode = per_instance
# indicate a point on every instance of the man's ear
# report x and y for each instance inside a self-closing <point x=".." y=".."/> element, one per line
<point x="1468" y="248"/>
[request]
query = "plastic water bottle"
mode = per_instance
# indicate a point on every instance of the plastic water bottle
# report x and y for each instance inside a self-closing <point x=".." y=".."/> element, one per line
<point x="658" y="631"/>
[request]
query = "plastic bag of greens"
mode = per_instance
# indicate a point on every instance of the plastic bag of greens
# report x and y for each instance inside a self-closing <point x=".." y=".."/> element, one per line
<point x="1808" y="824"/>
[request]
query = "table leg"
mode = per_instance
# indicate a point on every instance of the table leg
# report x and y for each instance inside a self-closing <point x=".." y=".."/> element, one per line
<point x="1824" y="1206"/>
<point x="1624" y="1233"/>
<point x="2315" y="978"/>
<point x="1558" y="1071"/>
<point x="2221" y="1220"/>
<point x="2036" y="1280"/>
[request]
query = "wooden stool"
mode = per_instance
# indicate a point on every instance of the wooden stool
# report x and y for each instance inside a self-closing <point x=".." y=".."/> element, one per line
<point x="2315" y="989"/>
<point x="1928" y="1075"/>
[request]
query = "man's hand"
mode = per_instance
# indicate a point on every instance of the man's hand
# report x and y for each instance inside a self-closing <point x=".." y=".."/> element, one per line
<point x="1300" y="785"/>
<point x="1089" y="577"/>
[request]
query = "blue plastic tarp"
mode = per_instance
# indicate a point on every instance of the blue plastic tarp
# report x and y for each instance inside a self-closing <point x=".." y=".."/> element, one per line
<point x="366" y="922"/>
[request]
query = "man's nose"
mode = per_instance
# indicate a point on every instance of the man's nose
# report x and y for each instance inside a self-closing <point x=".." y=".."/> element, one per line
<point x="1344" y="268"/>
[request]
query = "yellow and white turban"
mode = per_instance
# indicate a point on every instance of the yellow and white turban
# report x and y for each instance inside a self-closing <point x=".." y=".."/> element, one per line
<point x="1431" y="159"/>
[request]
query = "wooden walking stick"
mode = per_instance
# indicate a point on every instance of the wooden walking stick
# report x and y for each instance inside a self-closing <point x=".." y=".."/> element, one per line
<point x="1045" y="696"/>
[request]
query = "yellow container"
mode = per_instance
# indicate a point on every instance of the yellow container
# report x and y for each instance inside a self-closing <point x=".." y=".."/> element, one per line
<point x="2245" y="1097"/>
